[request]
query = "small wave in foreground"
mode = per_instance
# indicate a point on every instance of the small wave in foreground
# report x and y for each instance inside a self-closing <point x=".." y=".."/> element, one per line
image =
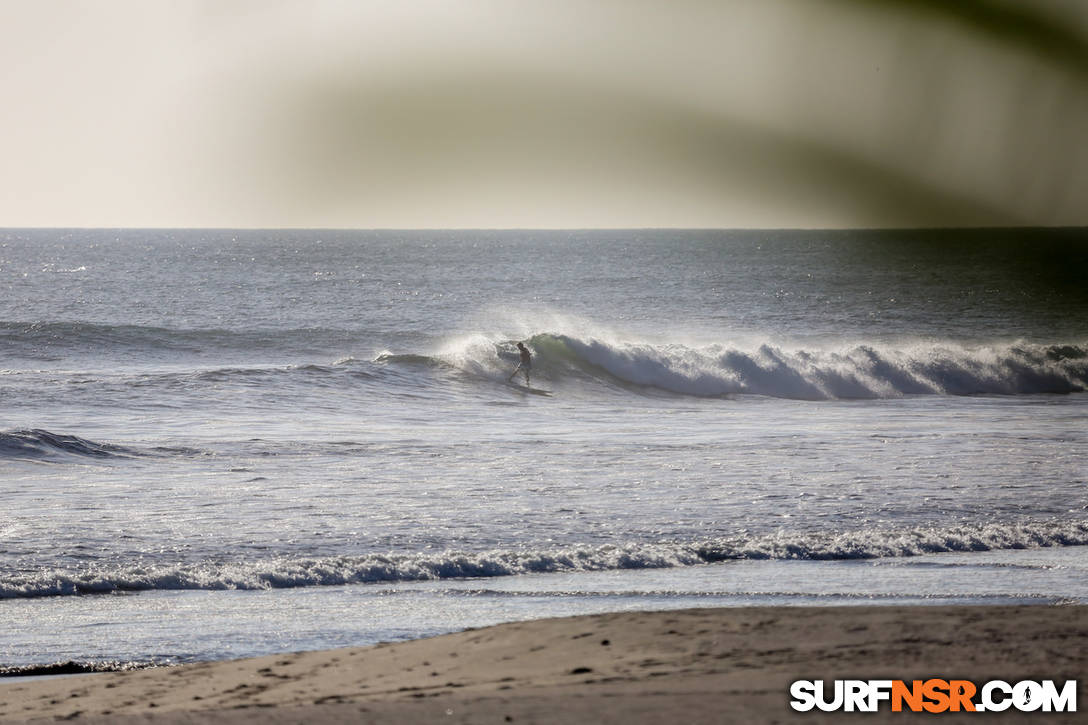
<point x="290" y="572"/>
<point x="40" y="444"/>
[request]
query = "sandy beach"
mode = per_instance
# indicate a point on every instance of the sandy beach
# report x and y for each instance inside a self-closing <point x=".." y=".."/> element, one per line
<point x="697" y="666"/>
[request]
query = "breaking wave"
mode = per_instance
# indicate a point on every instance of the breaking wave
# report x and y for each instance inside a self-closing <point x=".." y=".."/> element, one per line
<point x="288" y="572"/>
<point x="854" y="372"/>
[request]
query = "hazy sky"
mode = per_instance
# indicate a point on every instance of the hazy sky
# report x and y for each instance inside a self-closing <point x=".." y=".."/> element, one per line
<point x="418" y="113"/>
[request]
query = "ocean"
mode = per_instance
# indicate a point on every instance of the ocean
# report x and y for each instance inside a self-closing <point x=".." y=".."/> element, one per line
<point x="223" y="443"/>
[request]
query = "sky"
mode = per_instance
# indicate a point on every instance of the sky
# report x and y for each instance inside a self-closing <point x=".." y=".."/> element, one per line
<point x="559" y="114"/>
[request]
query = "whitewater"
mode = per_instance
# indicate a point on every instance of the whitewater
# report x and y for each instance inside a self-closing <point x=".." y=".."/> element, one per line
<point x="221" y="443"/>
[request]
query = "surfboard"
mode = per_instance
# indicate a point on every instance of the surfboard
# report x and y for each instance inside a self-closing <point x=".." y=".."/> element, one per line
<point x="534" y="391"/>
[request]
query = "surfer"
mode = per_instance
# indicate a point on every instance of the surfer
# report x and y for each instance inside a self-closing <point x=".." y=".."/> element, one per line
<point x="525" y="365"/>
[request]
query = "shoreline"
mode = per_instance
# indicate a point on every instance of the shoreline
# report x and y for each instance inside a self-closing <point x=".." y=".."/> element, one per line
<point x="692" y="665"/>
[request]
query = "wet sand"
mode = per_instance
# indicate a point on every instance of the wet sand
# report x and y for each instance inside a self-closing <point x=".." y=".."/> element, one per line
<point x="691" y="666"/>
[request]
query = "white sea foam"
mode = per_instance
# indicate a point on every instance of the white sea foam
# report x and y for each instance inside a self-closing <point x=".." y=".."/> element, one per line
<point x="287" y="572"/>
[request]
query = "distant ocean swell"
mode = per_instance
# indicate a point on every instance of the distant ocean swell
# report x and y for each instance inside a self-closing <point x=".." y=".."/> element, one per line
<point x="340" y="570"/>
<point x="60" y="340"/>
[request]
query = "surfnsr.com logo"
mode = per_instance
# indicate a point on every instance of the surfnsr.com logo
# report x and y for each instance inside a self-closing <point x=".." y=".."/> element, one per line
<point x="933" y="695"/>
